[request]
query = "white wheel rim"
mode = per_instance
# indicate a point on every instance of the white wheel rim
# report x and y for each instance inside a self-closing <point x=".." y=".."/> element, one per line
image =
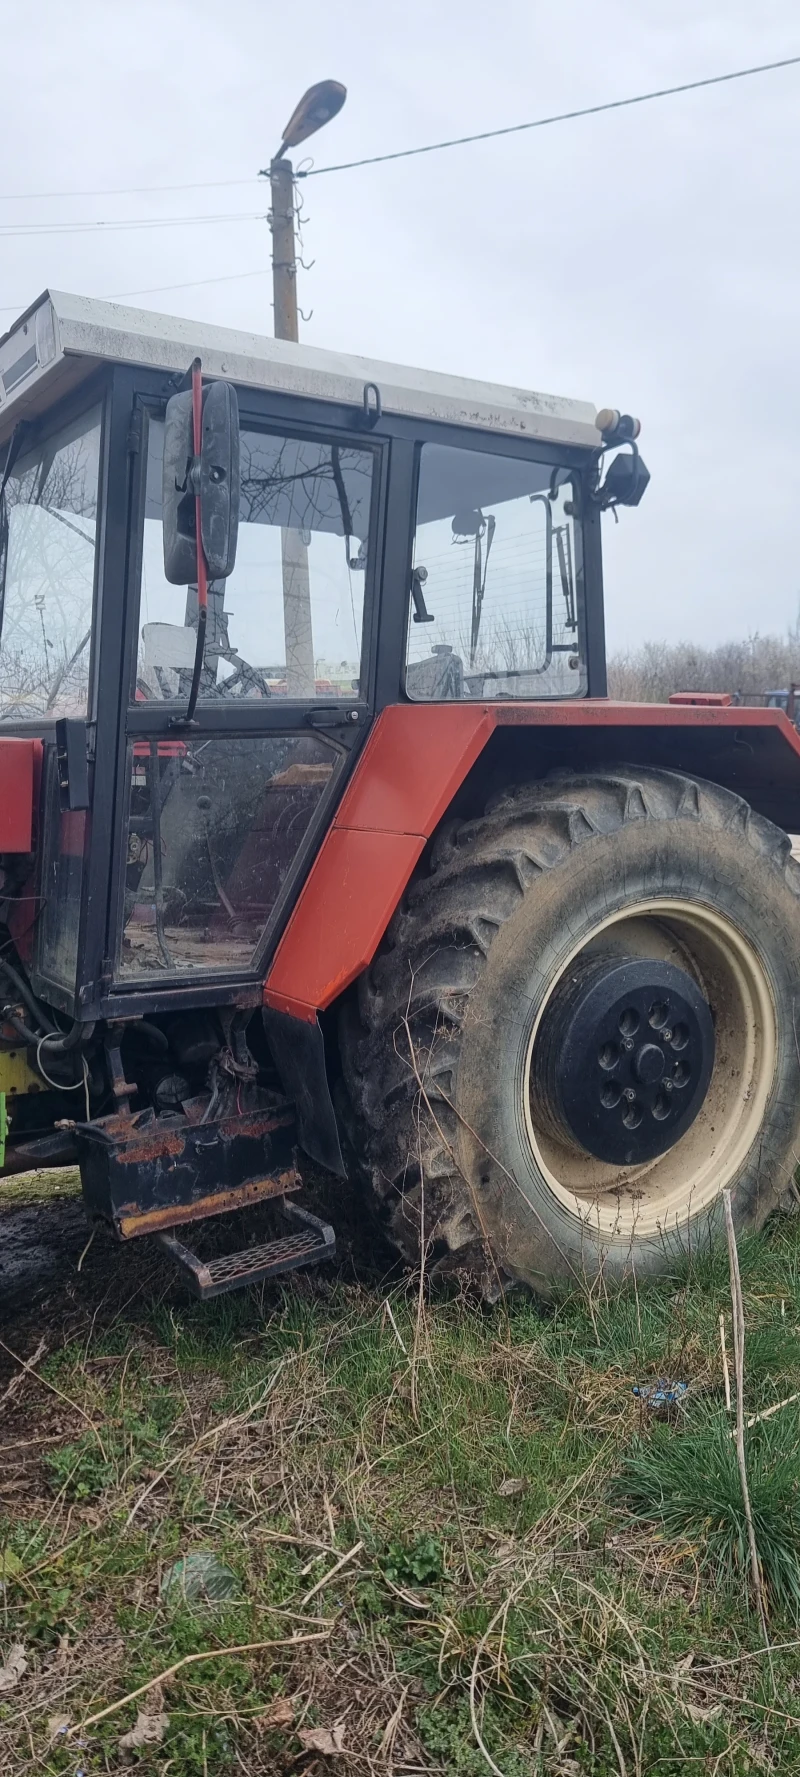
<point x="662" y="1195"/>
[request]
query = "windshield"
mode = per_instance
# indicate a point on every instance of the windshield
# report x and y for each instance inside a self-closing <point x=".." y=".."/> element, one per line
<point x="496" y="580"/>
<point x="47" y="553"/>
<point x="288" y="622"/>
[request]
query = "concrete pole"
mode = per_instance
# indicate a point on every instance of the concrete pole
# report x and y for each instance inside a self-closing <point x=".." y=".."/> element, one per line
<point x="298" y="633"/>
<point x="284" y="265"/>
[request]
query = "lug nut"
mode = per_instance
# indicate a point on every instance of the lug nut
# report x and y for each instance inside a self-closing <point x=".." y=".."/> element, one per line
<point x="627" y="1044"/>
<point x="667" y="1035"/>
<point x="629" y="1093"/>
<point x="667" y="1085"/>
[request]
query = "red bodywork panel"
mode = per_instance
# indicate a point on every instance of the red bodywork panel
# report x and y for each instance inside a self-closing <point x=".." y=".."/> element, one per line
<point x="413" y="763"/>
<point x="716" y="699"/>
<point x="403" y="783"/>
<point x="19" y="764"/>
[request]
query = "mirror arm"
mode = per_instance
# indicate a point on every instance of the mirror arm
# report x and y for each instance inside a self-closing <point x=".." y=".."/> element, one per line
<point x="188" y="721"/>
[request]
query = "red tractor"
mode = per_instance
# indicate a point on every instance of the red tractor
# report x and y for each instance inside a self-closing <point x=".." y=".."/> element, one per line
<point x="316" y="821"/>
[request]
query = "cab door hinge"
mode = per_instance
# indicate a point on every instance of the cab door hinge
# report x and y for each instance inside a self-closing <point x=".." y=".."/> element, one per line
<point x="72" y="760"/>
<point x="133" y="443"/>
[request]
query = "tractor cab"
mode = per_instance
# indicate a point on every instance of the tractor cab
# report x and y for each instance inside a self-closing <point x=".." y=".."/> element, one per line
<point x="394" y="542"/>
<point x="222" y="558"/>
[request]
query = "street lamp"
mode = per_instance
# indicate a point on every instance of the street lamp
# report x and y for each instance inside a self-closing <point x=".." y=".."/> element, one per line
<point x="315" y="109"/>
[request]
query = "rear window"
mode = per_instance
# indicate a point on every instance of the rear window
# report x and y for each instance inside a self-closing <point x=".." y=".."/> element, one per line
<point x="496" y="579"/>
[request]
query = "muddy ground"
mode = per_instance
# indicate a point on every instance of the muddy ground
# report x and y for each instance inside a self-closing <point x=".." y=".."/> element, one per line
<point x="58" y="1273"/>
<point x="41" y="1246"/>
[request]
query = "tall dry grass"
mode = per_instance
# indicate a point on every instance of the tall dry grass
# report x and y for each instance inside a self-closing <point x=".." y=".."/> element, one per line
<point x="650" y="674"/>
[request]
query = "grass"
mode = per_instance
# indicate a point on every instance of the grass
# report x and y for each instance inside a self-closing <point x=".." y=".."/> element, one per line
<point x="468" y="1544"/>
<point x="46" y="1186"/>
<point x="689" y="1484"/>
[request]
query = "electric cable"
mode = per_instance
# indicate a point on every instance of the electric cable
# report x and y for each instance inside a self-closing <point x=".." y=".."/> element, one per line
<point x="25" y="197"/>
<point x="261" y="271"/>
<point x="58" y="1085"/>
<point x="540" y="123"/>
<point x="687" y="86"/>
<point x="32" y="230"/>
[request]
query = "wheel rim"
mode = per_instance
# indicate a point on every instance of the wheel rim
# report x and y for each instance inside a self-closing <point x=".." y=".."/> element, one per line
<point x="659" y="1196"/>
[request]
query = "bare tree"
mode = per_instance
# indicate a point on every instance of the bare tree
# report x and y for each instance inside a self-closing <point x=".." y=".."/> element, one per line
<point x="651" y="673"/>
<point x="47" y="546"/>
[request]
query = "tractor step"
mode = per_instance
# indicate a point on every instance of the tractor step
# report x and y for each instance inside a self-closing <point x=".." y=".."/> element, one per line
<point x="312" y="1241"/>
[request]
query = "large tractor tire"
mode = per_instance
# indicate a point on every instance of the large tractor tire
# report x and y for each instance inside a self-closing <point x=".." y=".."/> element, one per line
<point x="580" y="1029"/>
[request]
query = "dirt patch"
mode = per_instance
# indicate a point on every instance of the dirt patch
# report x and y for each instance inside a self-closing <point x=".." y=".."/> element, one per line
<point x="43" y="1294"/>
<point x="39" y="1245"/>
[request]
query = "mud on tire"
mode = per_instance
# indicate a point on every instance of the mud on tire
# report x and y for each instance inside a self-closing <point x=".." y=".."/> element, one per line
<point x="436" y="1044"/>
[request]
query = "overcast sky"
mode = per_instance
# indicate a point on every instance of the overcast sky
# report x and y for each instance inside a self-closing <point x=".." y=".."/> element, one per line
<point x="646" y="260"/>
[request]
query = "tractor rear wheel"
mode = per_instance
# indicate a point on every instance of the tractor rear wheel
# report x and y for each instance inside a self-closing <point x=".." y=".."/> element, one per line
<point x="580" y="1029"/>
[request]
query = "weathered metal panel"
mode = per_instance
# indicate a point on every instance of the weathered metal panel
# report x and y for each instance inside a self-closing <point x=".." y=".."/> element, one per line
<point x="143" y="1173"/>
<point x="17" y="1075"/>
<point x="101" y="332"/>
<point x="217" y="1203"/>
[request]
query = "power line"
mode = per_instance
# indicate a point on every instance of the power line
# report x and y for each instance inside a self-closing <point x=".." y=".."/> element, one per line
<point x="9" y="197"/>
<point x="29" y="230"/>
<point x="261" y="271"/>
<point x="25" y="197"/>
<point x="540" y="123"/>
<point x="32" y="230"/>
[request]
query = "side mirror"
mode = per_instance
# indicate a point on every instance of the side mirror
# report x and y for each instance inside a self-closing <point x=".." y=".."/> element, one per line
<point x="626" y="479"/>
<point x="213" y="476"/>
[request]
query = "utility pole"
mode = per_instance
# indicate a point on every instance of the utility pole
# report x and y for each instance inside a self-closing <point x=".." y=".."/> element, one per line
<point x="284" y="262"/>
<point x="297" y="625"/>
<point x="315" y="109"/>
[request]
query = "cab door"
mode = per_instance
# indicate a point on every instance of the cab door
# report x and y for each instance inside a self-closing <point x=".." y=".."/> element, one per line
<point x="217" y="823"/>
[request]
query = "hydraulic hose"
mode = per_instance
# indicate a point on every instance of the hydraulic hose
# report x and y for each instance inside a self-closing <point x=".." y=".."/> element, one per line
<point x="28" y="1036"/>
<point x="60" y="1043"/>
<point x="26" y="993"/>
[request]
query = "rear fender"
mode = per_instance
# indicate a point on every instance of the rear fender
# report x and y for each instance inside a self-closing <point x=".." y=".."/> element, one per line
<point x="422" y="761"/>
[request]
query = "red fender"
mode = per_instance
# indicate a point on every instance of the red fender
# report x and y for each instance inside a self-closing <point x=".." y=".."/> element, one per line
<point x="416" y="758"/>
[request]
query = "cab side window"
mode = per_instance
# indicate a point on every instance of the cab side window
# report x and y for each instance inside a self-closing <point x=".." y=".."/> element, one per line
<point x="495" y="580"/>
<point x="48" y="526"/>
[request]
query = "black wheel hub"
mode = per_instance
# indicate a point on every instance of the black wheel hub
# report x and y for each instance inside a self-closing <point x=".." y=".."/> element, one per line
<point x="622" y="1061"/>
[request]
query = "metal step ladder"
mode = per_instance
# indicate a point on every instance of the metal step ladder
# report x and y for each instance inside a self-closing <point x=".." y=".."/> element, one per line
<point x="311" y="1241"/>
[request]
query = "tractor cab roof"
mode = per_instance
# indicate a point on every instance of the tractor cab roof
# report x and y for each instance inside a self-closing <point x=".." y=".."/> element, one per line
<point x="60" y="340"/>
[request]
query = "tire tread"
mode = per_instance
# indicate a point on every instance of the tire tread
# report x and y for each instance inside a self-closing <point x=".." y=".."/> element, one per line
<point x="416" y="993"/>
